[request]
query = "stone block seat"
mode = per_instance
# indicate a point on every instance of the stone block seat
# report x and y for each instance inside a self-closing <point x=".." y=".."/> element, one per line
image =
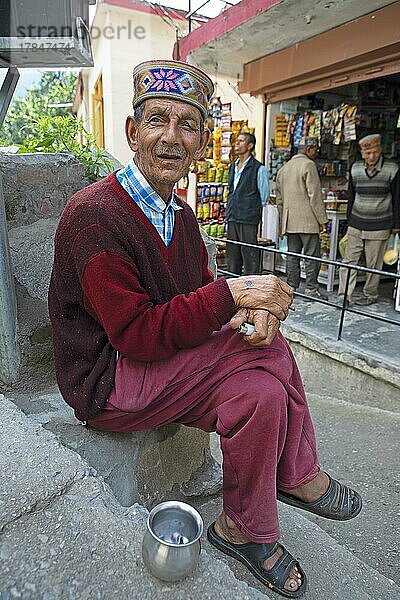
<point x="173" y="461"/>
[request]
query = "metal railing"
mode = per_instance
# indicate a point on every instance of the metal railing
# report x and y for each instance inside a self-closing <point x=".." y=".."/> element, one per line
<point x="344" y="307"/>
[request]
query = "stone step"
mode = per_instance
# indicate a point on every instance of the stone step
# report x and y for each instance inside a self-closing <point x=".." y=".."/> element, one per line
<point x="139" y="467"/>
<point x="64" y="535"/>
<point x="333" y="572"/>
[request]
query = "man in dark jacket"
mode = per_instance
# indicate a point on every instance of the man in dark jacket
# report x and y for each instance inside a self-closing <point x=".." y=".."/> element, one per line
<point x="248" y="193"/>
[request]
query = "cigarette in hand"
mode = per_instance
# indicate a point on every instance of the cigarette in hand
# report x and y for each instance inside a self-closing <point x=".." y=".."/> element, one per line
<point x="246" y="329"/>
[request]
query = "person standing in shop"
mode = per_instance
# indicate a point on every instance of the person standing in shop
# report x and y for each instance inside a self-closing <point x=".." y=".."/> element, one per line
<point x="373" y="213"/>
<point x="248" y="193"/>
<point x="302" y="213"/>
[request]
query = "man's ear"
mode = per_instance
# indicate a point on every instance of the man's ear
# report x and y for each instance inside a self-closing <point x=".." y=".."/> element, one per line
<point x="131" y="133"/>
<point x="205" y="136"/>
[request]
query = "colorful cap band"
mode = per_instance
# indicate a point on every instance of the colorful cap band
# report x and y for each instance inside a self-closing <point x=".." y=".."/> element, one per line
<point x="369" y="142"/>
<point x="172" y="79"/>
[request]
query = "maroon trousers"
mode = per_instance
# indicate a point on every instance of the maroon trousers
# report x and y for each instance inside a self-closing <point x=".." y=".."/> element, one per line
<point x="252" y="397"/>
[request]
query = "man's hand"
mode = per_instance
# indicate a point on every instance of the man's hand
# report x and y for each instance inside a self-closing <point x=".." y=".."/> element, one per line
<point x="266" y="292"/>
<point x="265" y="323"/>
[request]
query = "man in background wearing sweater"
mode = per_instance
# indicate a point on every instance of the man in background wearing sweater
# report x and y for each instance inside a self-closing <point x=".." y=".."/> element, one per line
<point x="373" y="213"/>
<point x="143" y="335"/>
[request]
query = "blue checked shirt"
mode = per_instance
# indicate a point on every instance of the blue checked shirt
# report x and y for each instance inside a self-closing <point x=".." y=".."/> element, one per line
<point x="159" y="213"/>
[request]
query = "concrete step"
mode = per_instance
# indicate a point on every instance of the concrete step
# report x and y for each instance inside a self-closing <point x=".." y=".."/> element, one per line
<point x="65" y="536"/>
<point x="333" y="572"/>
<point x="359" y="445"/>
<point x="362" y="368"/>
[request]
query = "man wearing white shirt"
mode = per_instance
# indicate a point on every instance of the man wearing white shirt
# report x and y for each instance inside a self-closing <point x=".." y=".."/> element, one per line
<point x="248" y="193"/>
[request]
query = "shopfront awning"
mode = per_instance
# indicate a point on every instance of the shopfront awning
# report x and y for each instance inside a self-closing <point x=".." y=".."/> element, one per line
<point x="253" y="29"/>
<point x="367" y="48"/>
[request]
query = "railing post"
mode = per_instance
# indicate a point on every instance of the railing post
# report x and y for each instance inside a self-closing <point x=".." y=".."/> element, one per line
<point x="9" y="350"/>
<point x="342" y="313"/>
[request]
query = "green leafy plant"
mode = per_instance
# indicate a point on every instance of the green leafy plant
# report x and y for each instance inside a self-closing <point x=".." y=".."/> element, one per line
<point x="49" y="96"/>
<point x="66" y="134"/>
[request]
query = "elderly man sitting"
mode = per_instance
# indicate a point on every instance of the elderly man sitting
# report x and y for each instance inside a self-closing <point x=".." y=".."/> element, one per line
<point x="143" y="335"/>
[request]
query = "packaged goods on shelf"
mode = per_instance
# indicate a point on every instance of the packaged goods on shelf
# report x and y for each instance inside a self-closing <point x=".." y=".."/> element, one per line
<point x="226" y="138"/>
<point x="281" y="131"/>
<point x="276" y="161"/>
<point x="226" y="123"/>
<point x="226" y="155"/>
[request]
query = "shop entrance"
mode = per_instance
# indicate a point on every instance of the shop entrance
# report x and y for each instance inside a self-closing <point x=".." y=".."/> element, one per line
<point x="338" y="118"/>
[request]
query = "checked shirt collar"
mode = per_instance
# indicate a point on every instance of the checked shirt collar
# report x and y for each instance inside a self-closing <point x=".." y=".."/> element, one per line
<point x="159" y="213"/>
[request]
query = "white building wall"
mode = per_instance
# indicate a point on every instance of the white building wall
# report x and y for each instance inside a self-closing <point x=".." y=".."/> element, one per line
<point x="102" y="66"/>
<point x="154" y="41"/>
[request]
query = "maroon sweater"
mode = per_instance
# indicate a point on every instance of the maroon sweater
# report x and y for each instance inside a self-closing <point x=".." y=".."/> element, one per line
<point x="115" y="286"/>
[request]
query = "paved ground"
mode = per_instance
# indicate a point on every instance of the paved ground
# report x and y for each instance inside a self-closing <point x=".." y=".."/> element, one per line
<point x="65" y="536"/>
<point x="353" y="440"/>
<point x="370" y="336"/>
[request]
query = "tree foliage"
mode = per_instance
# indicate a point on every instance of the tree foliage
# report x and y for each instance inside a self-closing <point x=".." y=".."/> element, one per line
<point x="67" y="134"/>
<point x="54" y="87"/>
<point x="35" y="125"/>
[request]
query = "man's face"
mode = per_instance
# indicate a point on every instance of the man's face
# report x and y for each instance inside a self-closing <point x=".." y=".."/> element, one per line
<point x="372" y="155"/>
<point x="242" y="145"/>
<point x="167" y="139"/>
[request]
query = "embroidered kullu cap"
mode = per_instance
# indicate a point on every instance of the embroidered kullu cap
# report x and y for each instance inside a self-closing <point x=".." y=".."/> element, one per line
<point x="308" y="142"/>
<point x="172" y="79"/>
<point x="369" y="142"/>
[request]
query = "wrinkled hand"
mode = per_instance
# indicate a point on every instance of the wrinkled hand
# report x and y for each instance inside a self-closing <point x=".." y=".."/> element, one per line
<point x="266" y="292"/>
<point x="265" y="323"/>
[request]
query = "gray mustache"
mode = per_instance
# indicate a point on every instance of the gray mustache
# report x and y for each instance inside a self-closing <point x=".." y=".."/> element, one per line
<point x="174" y="151"/>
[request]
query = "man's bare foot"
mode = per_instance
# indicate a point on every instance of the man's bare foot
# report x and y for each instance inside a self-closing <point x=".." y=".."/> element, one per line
<point x="313" y="490"/>
<point x="324" y="496"/>
<point x="227" y="530"/>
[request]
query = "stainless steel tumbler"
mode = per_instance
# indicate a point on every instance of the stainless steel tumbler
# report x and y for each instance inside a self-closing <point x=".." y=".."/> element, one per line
<point x="171" y="544"/>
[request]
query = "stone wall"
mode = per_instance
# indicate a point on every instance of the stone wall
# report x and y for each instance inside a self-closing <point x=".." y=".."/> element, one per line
<point x="36" y="188"/>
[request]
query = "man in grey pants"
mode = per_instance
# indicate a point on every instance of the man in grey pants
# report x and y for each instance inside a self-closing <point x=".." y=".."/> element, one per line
<point x="302" y="213"/>
<point x="373" y="212"/>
